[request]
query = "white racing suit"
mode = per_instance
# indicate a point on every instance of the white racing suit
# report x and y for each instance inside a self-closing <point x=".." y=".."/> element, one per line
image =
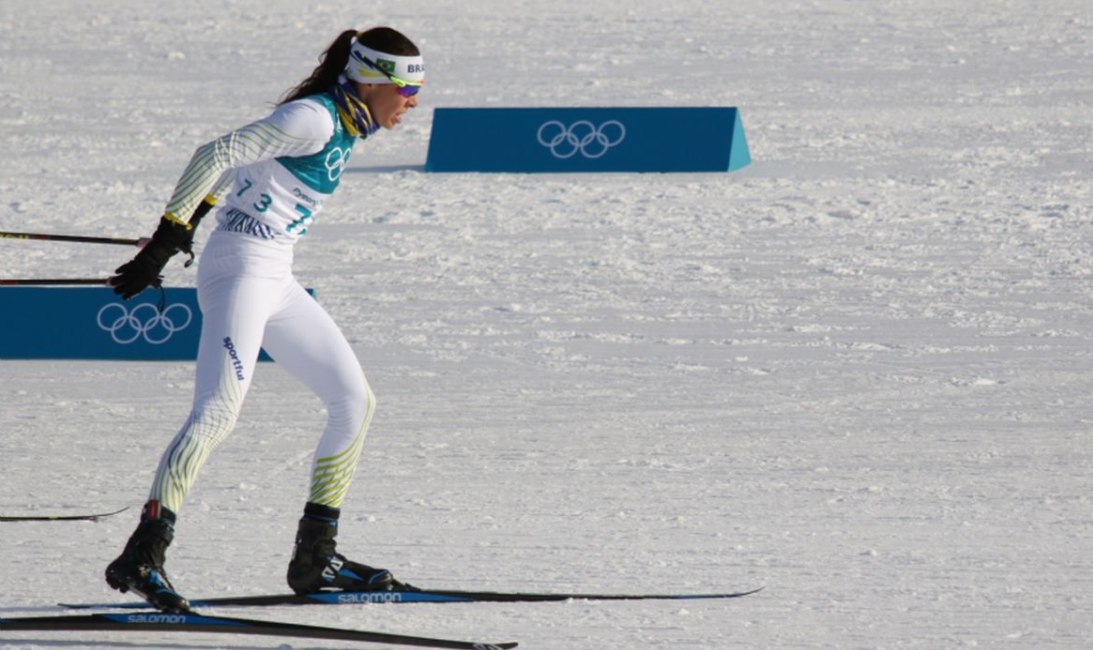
<point x="285" y="165"/>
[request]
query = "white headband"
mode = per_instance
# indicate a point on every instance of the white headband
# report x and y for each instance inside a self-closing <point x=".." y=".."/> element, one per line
<point x="407" y="68"/>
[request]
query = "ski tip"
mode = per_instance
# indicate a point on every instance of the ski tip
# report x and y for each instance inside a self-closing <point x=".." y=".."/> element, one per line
<point x="750" y="591"/>
<point x="107" y="514"/>
<point x="91" y="517"/>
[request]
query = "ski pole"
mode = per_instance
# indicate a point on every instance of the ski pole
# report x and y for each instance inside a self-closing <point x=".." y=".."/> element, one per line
<point x="45" y="282"/>
<point x="72" y="238"/>
<point x="199" y="213"/>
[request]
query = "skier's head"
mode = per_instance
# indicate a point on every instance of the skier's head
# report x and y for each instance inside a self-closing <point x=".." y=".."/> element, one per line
<point x="381" y="66"/>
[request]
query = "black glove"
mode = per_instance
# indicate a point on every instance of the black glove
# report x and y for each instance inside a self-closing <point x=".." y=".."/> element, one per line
<point x="143" y="271"/>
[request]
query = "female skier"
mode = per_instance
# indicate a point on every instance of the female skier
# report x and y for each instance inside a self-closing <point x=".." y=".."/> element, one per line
<point x="285" y="167"/>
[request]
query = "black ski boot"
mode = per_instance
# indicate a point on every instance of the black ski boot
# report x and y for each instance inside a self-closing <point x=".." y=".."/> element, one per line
<point x="317" y="566"/>
<point x="140" y="566"/>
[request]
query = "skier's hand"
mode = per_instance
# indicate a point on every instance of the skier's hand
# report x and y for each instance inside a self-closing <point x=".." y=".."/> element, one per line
<point x="144" y="270"/>
<point x="141" y="272"/>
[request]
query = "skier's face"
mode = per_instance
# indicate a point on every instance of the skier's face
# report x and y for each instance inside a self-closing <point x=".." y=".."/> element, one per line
<point x="386" y="103"/>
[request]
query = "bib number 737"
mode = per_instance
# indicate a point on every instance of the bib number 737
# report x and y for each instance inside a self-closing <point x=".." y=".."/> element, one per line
<point x="299" y="226"/>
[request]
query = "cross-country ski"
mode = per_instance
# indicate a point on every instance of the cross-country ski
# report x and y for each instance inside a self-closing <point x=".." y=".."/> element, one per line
<point x="416" y="596"/>
<point x="199" y="623"/>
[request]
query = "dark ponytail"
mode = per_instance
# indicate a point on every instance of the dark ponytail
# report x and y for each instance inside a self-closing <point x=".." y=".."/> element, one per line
<point x="332" y="63"/>
<point x="334" y="60"/>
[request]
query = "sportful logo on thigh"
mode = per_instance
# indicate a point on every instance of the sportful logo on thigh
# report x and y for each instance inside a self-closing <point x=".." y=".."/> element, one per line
<point x="236" y="363"/>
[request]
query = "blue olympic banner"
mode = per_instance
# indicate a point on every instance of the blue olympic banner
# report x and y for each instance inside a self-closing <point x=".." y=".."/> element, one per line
<point x="93" y="323"/>
<point x="628" y="139"/>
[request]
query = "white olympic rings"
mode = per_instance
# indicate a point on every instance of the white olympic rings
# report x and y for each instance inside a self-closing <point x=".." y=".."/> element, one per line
<point x="582" y="137"/>
<point x="336" y="161"/>
<point x="145" y="320"/>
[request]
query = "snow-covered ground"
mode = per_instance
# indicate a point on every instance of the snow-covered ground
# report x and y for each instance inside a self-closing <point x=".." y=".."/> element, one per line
<point x="857" y="372"/>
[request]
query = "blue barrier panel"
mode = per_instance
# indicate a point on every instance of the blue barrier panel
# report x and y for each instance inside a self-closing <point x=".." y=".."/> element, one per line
<point x="93" y="323"/>
<point x="702" y="139"/>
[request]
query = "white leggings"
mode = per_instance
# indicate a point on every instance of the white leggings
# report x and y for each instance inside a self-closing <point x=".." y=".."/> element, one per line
<point x="249" y="299"/>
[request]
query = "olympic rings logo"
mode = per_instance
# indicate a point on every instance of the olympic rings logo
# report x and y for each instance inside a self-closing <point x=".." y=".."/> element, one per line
<point x="580" y="137"/>
<point x="145" y="320"/>
<point x="336" y="161"/>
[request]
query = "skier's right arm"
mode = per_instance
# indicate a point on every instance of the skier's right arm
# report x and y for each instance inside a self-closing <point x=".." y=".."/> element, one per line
<point x="295" y="129"/>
